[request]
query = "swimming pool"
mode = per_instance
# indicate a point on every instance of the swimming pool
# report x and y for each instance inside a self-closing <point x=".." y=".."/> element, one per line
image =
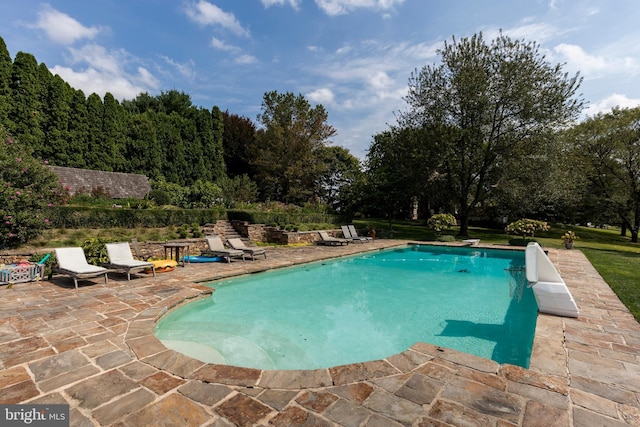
<point x="361" y="308"/>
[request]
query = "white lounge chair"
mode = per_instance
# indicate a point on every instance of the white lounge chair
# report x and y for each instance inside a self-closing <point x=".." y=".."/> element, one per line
<point x="121" y="258"/>
<point x="73" y="263"/>
<point x="354" y="233"/>
<point x="346" y="232"/>
<point x="239" y="245"/>
<point x="216" y="248"/>
<point x="331" y="241"/>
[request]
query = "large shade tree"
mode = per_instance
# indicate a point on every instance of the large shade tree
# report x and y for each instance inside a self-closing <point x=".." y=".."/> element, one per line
<point x="609" y="147"/>
<point x="287" y="154"/>
<point x="494" y="105"/>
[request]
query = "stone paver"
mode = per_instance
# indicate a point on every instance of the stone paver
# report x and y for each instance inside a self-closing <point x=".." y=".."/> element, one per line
<point x="94" y="349"/>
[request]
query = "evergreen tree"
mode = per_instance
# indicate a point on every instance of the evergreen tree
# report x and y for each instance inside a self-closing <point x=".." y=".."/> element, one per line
<point x="5" y="93"/>
<point x="215" y="151"/>
<point x="113" y="131"/>
<point x="26" y="111"/>
<point x="96" y="155"/>
<point x="76" y="151"/>
<point x="238" y="136"/>
<point x="57" y="110"/>
<point x="175" y="167"/>
<point x="143" y="150"/>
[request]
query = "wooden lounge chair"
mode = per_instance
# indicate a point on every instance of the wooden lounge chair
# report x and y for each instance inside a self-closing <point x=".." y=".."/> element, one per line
<point x="347" y="235"/>
<point x="331" y="241"/>
<point x="239" y="245"/>
<point x="216" y="248"/>
<point x="121" y="258"/>
<point x="73" y="263"/>
<point x="354" y="233"/>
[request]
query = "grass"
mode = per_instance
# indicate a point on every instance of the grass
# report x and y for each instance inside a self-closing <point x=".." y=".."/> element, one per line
<point x="613" y="256"/>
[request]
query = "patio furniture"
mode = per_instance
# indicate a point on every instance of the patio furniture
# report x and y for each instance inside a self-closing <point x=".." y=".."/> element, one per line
<point x="216" y="248"/>
<point x="73" y="263"/>
<point x="239" y="245"/>
<point x="347" y="235"/>
<point x="121" y="258"/>
<point x="354" y="233"/>
<point x="178" y="247"/>
<point x="331" y="241"/>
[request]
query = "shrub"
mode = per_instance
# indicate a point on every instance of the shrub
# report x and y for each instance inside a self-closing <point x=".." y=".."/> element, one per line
<point x="27" y="188"/>
<point x="526" y="227"/>
<point x="440" y="222"/>
<point x="160" y="197"/>
<point x="95" y="251"/>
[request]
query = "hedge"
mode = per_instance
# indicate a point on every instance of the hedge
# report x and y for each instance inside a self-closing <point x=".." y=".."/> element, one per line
<point x="282" y="218"/>
<point x="89" y="217"/>
<point x="100" y="217"/>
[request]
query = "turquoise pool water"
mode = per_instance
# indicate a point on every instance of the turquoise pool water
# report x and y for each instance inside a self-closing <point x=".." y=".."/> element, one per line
<point x="362" y="308"/>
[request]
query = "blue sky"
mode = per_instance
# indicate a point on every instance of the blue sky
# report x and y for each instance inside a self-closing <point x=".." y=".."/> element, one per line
<point x="352" y="56"/>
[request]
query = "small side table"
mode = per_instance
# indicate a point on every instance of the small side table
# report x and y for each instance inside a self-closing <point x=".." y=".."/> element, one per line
<point x="179" y="247"/>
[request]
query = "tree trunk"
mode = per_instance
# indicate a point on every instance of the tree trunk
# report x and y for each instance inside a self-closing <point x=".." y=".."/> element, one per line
<point x="463" y="218"/>
<point x="623" y="229"/>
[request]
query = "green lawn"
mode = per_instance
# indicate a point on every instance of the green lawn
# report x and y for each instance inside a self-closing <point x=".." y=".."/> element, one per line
<point x="615" y="257"/>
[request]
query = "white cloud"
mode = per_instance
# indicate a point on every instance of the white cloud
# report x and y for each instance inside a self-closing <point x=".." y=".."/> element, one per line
<point x="293" y="3"/>
<point x="186" y="70"/>
<point x="246" y="59"/>
<point x="61" y="28"/>
<point x="240" y="57"/>
<point x="205" y="13"/>
<point x="615" y="100"/>
<point x="221" y="45"/>
<point x="321" y="96"/>
<point x="340" y="7"/>
<point x="577" y="58"/>
<point x="103" y="72"/>
<point x="596" y="66"/>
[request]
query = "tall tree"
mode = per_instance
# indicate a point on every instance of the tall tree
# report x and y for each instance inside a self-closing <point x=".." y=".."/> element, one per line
<point x="5" y="77"/>
<point x="143" y="150"/>
<point x="57" y="110"/>
<point x="114" y="124"/>
<point x="97" y="156"/>
<point x="490" y="102"/>
<point x="287" y="153"/>
<point x="76" y="151"/>
<point x="609" y="145"/>
<point x="238" y="137"/>
<point x="25" y="115"/>
<point x="214" y="148"/>
<point x="341" y="170"/>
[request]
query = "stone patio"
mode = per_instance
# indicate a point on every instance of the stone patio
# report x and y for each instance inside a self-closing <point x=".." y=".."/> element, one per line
<point x="94" y="349"/>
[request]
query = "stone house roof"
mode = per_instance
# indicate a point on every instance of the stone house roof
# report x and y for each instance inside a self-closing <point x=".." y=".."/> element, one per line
<point x="117" y="184"/>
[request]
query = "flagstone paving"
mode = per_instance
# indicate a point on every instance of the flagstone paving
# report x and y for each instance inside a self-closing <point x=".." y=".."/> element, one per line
<point x="94" y="349"/>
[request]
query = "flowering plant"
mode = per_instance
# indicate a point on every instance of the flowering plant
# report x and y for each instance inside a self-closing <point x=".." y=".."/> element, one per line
<point x="439" y="222"/>
<point x="27" y="187"/>
<point x="570" y="237"/>
<point x="527" y="227"/>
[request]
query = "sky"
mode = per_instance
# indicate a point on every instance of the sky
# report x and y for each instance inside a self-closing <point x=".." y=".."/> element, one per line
<point x="355" y="57"/>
